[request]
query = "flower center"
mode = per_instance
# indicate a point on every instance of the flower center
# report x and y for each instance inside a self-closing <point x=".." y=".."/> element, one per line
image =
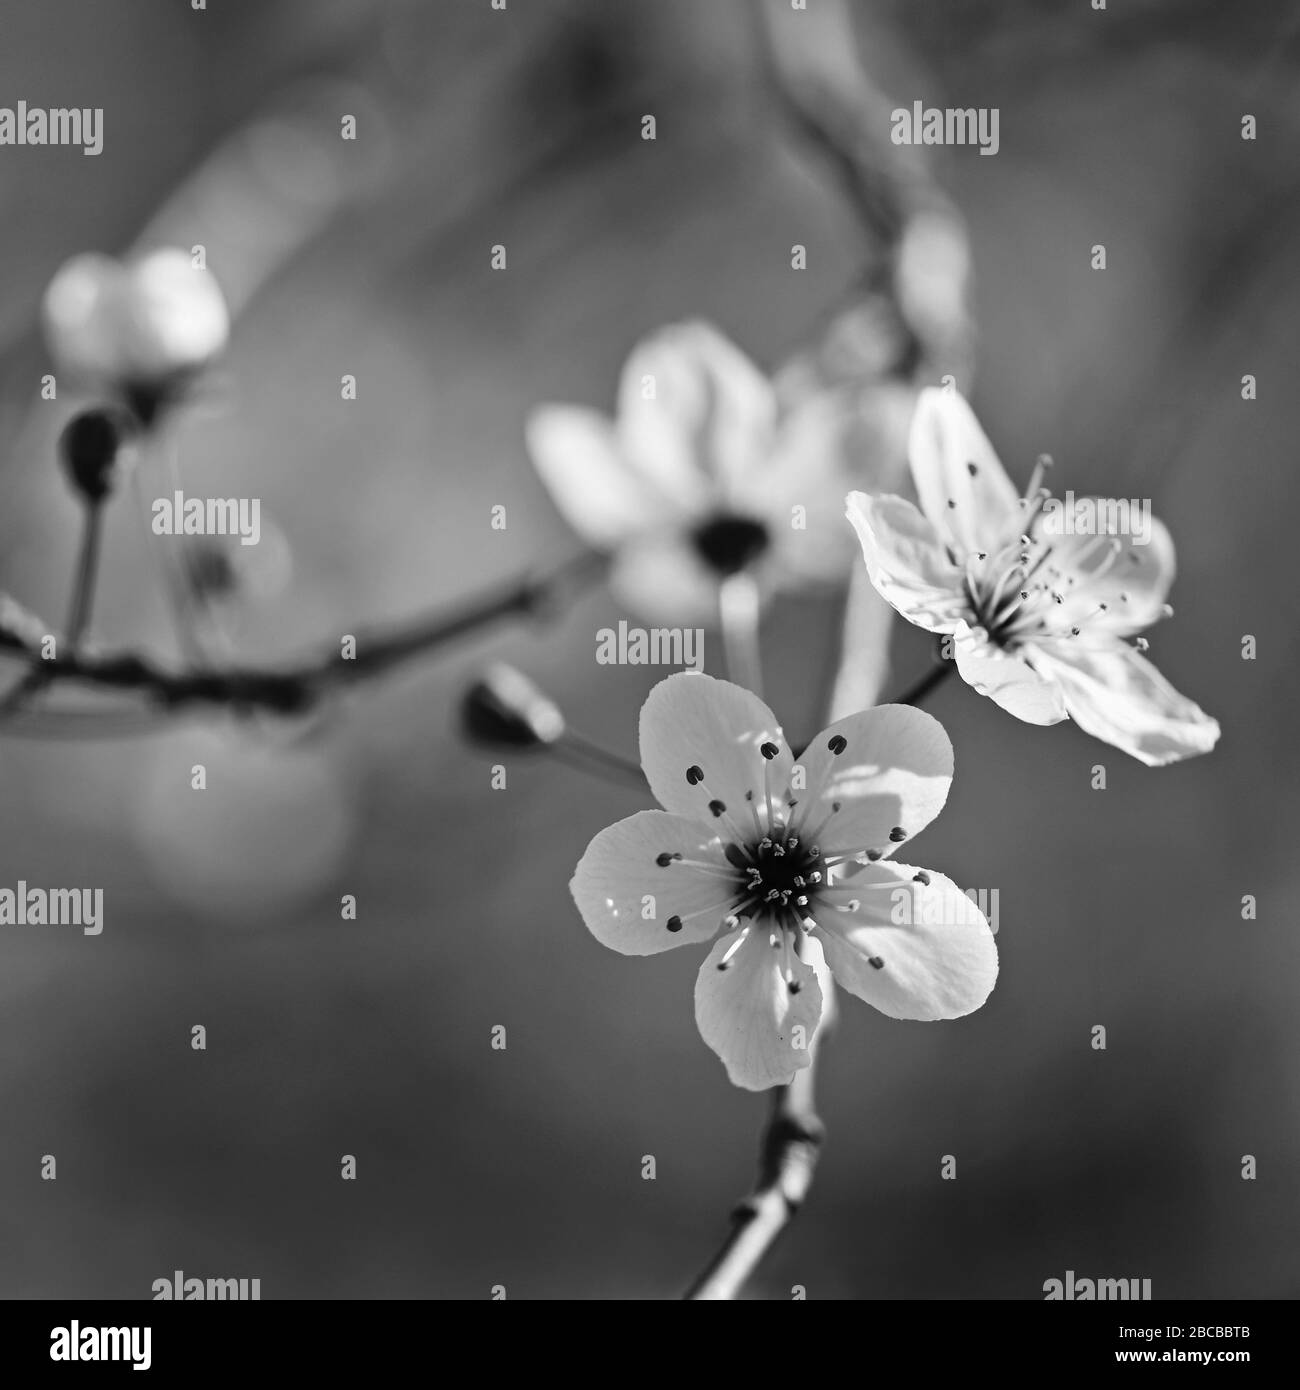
<point x="778" y="875"/>
<point x="1027" y="590"/>
<point x="781" y="873"/>
<point x="730" y="543"/>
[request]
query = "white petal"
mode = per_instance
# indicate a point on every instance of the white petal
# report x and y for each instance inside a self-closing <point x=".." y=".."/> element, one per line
<point x="709" y="419"/>
<point x="934" y="954"/>
<point x="827" y="444"/>
<point x="82" y="312"/>
<point x="691" y="722"/>
<point x="577" y="457"/>
<point x="140" y="324"/>
<point x="748" y="1014"/>
<point x="1118" y="696"/>
<point x="177" y="318"/>
<point x="1007" y="679"/>
<point x="661" y="576"/>
<point x="892" y="773"/>
<point x="908" y="562"/>
<point x="974" y="507"/>
<point x="628" y="900"/>
<point x="1133" y="582"/>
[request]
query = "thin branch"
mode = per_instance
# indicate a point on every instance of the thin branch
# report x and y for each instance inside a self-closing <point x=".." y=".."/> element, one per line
<point x="297" y="686"/>
<point x="917" y="692"/>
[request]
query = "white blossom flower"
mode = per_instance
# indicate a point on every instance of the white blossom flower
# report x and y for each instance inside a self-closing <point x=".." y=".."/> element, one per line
<point x="139" y="329"/>
<point x="702" y="475"/>
<point x="791" y="860"/>
<point x="1042" y="611"/>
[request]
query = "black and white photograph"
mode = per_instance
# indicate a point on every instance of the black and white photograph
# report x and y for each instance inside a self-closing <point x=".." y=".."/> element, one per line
<point x="646" y="655"/>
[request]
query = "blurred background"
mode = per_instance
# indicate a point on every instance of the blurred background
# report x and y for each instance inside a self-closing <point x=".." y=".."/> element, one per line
<point x="522" y="1167"/>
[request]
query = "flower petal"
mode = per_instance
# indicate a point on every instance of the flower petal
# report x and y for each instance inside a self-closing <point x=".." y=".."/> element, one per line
<point x="1132" y="576"/>
<point x="912" y="948"/>
<point x="747" y="1013"/>
<point x="629" y="901"/>
<point x="576" y="454"/>
<point x="892" y="773"/>
<point x="709" y="419"/>
<point x="82" y="313"/>
<point x="176" y="317"/>
<point x="1118" y="696"/>
<point x="826" y="444"/>
<point x="908" y="561"/>
<point x="713" y="731"/>
<point x="962" y="485"/>
<point x="1007" y="678"/>
<point x="661" y="575"/>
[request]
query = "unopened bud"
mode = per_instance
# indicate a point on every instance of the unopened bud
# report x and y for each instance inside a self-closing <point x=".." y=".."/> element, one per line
<point x="90" y="448"/>
<point x="504" y="707"/>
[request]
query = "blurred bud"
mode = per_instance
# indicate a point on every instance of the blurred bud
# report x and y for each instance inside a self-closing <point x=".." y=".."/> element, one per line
<point x="504" y="707"/>
<point x="223" y="570"/>
<point x="90" y="449"/>
<point x="931" y="279"/>
<point x="142" y="329"/>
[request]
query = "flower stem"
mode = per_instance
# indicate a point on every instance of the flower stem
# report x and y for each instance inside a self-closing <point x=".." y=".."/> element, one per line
<point x="83" y="588"/>
<point x="932" y="678"/>
<point x="83" y="597"/>
<point x="738" y="608"/>
<point x="592" y="758"/>
<point x="788" y="1153"/>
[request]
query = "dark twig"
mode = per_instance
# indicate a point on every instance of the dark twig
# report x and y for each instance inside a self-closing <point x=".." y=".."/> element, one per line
<point x="297" y="686"/>
<point x="917" y="692"/>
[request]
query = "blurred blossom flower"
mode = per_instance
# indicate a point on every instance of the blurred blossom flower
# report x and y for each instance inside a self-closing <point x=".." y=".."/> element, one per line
<point x="701" y="476"/>
<point x="790" y="859"/>
<point x="1042" y="613"/>
<point x="141" y="330"/>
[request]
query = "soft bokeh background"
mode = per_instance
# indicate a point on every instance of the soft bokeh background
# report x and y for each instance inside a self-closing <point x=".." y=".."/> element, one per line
<point x="479" y="1167"/>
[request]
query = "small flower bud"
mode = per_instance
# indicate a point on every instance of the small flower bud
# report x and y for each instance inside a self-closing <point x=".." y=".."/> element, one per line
<point x="90" y="448"/>
<point x="504" y="707"/>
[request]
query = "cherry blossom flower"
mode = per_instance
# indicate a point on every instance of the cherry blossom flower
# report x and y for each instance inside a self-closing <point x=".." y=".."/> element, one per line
<point x="791" y="860"/>
<point x="702" y="475"/>
<point x="1043" y="612"/>
<point x="140" y="329"/>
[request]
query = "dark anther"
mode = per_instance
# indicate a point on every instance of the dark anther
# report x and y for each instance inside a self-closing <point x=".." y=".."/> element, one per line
<point x="664" y="859"/>
<point x="875" y="962"/>
<point x="674" y="923"/>
<point x="873" y="855"/>
<point x="769" y="751"/>
<point x="898" y="834"/>
<point x="838" y="744"/>
<point x="921" y="877"/>
<point x="735" y="856"/>
<point x="695" y="775"/>
<point x="717" y="807"/>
